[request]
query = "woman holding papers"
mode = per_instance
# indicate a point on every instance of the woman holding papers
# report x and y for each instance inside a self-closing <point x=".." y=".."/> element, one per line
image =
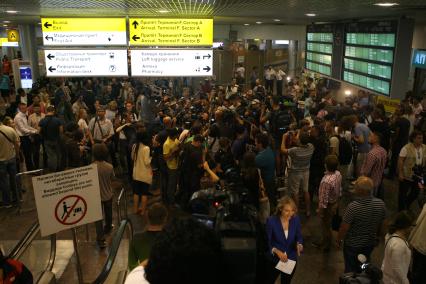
<point x="284" y="240"/>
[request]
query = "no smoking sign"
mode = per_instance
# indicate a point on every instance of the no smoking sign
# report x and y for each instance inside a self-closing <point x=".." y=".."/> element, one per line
<point x="70" y="210"/>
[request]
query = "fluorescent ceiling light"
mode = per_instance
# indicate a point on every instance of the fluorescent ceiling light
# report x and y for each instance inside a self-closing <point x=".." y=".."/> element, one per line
<point x="386" y="4"/>
<point x="6" y="22"/>
<point x="281" y="41"/>
<point x="4" y="25"/>
<point x="311" y="15"/>
<point x="246" y="24"/>
<point x="258" y="23"/>
<point x="11" y="11"/>
<point x="163" y="11"/>
<point x="277" y="20"/>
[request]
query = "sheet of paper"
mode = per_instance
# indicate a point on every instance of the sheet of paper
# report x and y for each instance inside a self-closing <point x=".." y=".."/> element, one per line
<point x="286" y="267"/>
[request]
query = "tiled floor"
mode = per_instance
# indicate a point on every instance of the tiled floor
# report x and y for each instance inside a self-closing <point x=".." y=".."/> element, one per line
<point x="313" y="267"/>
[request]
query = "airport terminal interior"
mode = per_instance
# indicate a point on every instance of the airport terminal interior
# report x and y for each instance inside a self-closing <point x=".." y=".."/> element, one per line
<point x="212" y="141"/>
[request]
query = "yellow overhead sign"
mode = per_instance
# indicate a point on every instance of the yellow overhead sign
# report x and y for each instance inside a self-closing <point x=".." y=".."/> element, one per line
<point x="390" y="104"/>
<point x="13" y="35"/>
<point x="83" y="24"/>
<point x="171" y="32"/>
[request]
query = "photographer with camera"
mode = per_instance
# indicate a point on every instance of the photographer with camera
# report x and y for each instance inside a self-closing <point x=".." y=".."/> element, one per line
<point x="279" y="121"/>
<point x="411" y="169"/>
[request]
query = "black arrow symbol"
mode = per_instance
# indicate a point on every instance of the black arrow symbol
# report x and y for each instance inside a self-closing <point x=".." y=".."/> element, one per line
<point x="47" y="37"/>
<point x="208" y="56"/>
<point x="51" y="69"/>
<point x="135" y="38"/>
<point x="109" y="39"/>
<point x="47" y="25"/>
<point x="50" y="56"/>
<point x="207" y="68"/>
<point x="135" y="24"/>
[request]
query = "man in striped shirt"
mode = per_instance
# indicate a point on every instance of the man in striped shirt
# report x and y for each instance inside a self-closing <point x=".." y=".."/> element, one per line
<point x="328" y="194"/>
<point x="375" y="163"/>
<point x="361" y="225"/>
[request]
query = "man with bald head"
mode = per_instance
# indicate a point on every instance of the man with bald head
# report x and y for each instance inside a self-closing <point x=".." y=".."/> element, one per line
<point x="361" y="224"/>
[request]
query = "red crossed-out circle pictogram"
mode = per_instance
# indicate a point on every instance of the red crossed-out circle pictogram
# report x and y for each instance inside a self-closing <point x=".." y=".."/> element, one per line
<point x="70" y="210"/>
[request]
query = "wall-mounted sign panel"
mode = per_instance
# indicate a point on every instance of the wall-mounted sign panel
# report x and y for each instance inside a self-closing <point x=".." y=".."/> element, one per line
<point x="4" y="42"/>
<point x="171" y="32"/>
<point x="12" y="35"/>
<point x="419" y="58"/>
<point x="73" y="63"/>
<point x="172" y="62"/>
<point x="84" y="31"/>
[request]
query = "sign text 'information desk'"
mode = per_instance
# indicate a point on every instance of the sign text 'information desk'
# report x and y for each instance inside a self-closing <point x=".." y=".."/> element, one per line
<point x="98" y="62"/>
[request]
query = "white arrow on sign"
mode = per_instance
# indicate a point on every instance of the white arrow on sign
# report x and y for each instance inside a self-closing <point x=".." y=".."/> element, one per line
<point x="73" y="63"/>
<point x="172" y="62"/>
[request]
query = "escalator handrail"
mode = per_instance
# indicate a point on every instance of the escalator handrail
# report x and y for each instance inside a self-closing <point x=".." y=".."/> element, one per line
<point x="25" y="242"/>
<point x="116" y="242"/>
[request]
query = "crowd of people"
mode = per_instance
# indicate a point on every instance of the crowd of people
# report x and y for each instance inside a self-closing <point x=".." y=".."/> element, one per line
<point x="294" y="141"/>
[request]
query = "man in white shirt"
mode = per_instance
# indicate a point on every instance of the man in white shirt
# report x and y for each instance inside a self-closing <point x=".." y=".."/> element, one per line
<point x="240" y="72"/>
<point x="24" y="131"/>
<point x="34" y="119"/>
<point x="269" y="79"/>
<point x="102" y="131"/>
<point x="281" y="76"/>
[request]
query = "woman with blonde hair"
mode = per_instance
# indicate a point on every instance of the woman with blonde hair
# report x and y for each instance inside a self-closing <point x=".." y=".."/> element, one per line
<point x="284" y="238"/>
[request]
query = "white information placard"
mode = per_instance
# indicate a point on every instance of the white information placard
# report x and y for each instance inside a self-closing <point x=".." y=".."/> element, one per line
<point x="92" y="62"/>
<point x="172" y="62"/>
<point x="67" y="199"/>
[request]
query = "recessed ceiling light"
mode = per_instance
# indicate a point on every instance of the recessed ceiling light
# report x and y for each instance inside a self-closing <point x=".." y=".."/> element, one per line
<point x="11" y="11"/>
<point x="4" y="25"/>
<point x="6" y="22"/>
<point x="311" y="15"/>
<point x="258" y="23"/>
<point x="163" y="11"/>
<point x="386" y="4"/>
<point x="277" y="20"/>
<point x="246" y="24"/>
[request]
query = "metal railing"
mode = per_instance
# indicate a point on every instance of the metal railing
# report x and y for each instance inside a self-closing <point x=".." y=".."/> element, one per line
<point x="25" y="242"/>
<point x="18" y="189"/>
<point x="124" y="224"/>
<point x="122" y="199"/>
<point x="22" y="246"/>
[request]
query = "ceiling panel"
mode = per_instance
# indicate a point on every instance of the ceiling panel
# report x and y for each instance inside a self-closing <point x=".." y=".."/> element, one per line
<point x="227" y="11"/>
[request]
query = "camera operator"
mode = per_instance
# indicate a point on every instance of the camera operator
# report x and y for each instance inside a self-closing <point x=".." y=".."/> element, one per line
<point x="279" y="121"/>
<point x="411" y="168"/>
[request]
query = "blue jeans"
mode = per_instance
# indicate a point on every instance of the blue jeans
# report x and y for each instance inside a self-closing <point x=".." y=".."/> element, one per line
<point x="350" y="254"/>
<point x="8" y="179"/>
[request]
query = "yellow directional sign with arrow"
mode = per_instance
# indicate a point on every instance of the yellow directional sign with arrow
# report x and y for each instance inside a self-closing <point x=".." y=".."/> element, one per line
<point x="84" y="31"/>
<point x="171" y="32"/>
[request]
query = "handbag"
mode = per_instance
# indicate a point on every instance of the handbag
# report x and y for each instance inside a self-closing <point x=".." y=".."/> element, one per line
<point x="264" y="205"/>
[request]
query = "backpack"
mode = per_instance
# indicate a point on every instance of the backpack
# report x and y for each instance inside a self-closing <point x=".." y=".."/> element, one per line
<point x="280" y="122"/>
<point x="345" y="151"/>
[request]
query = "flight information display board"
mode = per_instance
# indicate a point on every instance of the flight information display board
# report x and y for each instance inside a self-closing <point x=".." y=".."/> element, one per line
<point x="323" y="37"/>
<point x="373" y="54"/>
<point x="319" y="48"/>
<point x="369" y="49"/>
<point x="382" y="71"/>
<point x="367" y="82"/>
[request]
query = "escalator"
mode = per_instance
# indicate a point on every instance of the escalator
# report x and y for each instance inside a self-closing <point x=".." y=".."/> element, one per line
<point x="41" y="261"/>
